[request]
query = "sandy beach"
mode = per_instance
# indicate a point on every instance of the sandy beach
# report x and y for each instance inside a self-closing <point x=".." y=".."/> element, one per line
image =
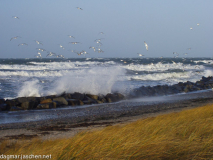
<point x="72" y="121"/>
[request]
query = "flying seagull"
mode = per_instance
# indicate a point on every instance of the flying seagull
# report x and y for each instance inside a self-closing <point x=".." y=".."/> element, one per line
<point x="146" y="45"/>
<point x="38" y="42"/>
<point x="23" y="44"/>
<point x="140" y="54"/>
<point x="71" y="36"/>
<point x="14" y="38"/>
<point x="79" y="8"/>
<point x="16" y="17"/>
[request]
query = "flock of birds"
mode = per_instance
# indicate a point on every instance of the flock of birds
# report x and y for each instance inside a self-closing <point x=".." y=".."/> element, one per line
<point x="96" y="48"/>
<point x="40" y="51"/>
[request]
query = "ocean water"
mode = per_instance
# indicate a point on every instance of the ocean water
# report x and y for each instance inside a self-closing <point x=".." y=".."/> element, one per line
<point x="40" y="77"/>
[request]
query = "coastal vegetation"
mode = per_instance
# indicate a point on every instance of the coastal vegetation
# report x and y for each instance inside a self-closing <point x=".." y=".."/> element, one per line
<point x="180" y="135"/>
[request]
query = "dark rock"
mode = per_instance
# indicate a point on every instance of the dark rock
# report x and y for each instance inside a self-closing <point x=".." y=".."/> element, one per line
<point x="10" y="103"/>
<point x="76" y="102"/>
<point x="114" y="97"/>
<point x="25" y="99"/>
<point x="2" y="101"/>
<point x="47" y="105"/>
<point x="77" y="95"/>
<point x="60" y="100"/>
<point x="92" y="96"/>
<point x="4" y="107"/>
<point x="50" y="97"/>
<point x="49" y="100"/>
<point x="33" y="104"/>
<point x="25" y="105"/>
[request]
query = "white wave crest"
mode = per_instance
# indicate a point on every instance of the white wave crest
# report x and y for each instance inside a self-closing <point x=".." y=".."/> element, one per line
<point x="98" y="80"/>
<point x="30" y="88"/>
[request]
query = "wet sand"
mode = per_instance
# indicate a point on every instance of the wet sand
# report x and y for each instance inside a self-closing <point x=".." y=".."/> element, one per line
<point x="72" y="121"/>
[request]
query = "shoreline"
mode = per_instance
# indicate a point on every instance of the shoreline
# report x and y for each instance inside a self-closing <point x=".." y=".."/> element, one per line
<point x="69" y="123"/>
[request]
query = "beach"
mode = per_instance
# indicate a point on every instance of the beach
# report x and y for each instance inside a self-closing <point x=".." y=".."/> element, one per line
<point x="72" y="121"/>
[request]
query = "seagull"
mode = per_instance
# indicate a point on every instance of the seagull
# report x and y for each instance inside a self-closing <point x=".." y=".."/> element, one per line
<point x="16" y="17"/>
<point x="23" y="44"/>
<point x="74" y="42"/>
<point x="146" y="45"/>
<point x="60" y="56"/>
<point x="191" y="28"/>
<point x="100" y="51"/>
<point x="92" y="48"/>
<point x="188" y="48"/>
<point x="14" y="38"/>
<point x="140" y="54"/>
<point x="174" y="62"/>
<point x="38" y="42"/>
<point x="40" y="49"/>
<point x="39" y="53"/>
<point x="101" y="33"/>
<point x="71" y="36"/>
<point x="61" y="46"/>
<point x="51" y="54"/>
<point x="79" y="8"/>
<point x="198" y="24"/>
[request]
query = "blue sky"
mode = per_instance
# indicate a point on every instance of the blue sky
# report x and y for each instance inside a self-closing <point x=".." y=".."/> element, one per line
<point x="164" y="25"/>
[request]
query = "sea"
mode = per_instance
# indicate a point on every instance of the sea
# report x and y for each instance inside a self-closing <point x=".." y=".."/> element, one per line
<point x="41" y="77"/>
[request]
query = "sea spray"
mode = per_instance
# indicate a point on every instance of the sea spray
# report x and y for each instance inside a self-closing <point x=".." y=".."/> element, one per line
<point x="98" y="80"/>
<point x="30" y="88"/>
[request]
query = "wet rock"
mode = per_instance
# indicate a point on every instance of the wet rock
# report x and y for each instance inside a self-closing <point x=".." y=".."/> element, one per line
<point x="114" y="97"/>
<point x="77" y="95"/>
<point x="46" y="101"/>
<point x="75" y="102"/>
<point x="2" y="101"/>
<point x="10" y="103"/>
<point x="25" y="99"/>
<point x="92" y="96"/>
<point x="60" y="101"/>
<point x="25" y="105"/>
<point x="47" y="105"/>
<point x="4" y="107"/>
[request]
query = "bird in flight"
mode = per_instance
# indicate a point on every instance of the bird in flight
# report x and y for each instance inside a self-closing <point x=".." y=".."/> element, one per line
<point x="74" y="42"/>
<point x="15" y="17"/>
<point x="146" y="45"/>
<point x="79" y="8"/>
<point x="14" y="38"/>
<point x="38" y="42"/>
<point x="71" y="36"/>
<point x="51" y="54"/>
<point x="23" y="44"/>
<point x="140" y="55"/>
<point x="61" y="46"/>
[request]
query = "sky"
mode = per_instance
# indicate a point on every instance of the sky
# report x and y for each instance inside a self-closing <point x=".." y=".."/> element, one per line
<point x="164" y="25"/>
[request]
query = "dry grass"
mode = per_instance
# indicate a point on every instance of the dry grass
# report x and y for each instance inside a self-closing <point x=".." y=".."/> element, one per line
<point x="184" y="135"/>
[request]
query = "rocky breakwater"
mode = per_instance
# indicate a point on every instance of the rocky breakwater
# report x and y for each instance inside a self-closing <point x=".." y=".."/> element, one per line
<point x="159" y="90"/>
<point x="56" y="101"/>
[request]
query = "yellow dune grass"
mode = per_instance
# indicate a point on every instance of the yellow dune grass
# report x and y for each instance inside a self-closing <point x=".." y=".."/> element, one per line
<point x="184" y="135"/>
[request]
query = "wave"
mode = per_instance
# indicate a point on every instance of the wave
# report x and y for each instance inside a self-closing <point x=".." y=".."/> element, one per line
<point x="204" y="61"/>
<point x="163" y="67"/>
<point x="95" y="81"/>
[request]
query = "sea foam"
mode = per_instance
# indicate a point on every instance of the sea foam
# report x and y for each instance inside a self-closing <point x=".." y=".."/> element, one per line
<point x="98" y="80"/>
